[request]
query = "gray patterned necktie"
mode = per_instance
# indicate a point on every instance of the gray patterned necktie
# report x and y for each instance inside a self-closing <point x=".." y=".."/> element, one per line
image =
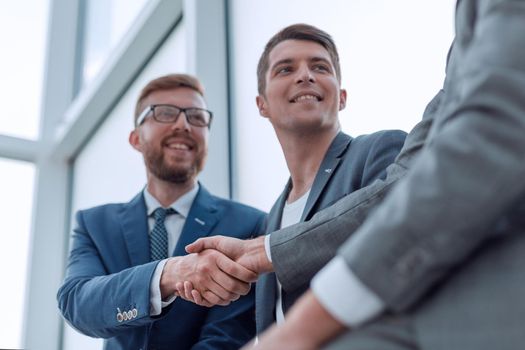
<point x="158" y="239"/>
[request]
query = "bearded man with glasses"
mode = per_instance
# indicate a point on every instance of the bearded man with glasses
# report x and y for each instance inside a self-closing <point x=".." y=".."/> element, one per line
<point x="126" y="259"/>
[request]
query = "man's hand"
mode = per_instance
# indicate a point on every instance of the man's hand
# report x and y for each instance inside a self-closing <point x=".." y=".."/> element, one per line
<point x="249" y="253"/>
<point x="217" y="278"/>
<point x="307" y="326"/>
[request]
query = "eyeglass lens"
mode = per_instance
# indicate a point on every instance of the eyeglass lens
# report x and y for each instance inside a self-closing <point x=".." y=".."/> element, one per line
<point x="195" y="116"/>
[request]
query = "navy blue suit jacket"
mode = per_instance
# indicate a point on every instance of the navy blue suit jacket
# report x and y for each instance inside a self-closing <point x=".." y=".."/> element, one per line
<point x="109" y="271"/>
<point x="348" y="165"/>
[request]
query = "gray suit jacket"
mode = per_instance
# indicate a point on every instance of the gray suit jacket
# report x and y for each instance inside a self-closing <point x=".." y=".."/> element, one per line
<point x="349" y="164"/>
<point x="446" y="248"/>
<point x="300" y="251"/>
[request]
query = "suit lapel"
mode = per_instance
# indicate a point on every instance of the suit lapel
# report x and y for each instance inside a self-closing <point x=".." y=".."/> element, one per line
<point x="134" y="225"/>
<point x="266" y="294"/>
<point x="326" y="170"/>
<point x="276" y="213"/>
<point x="203" y="216"/>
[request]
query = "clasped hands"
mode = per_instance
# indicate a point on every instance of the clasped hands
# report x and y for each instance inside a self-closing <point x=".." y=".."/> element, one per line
<point x="216" y="271"/>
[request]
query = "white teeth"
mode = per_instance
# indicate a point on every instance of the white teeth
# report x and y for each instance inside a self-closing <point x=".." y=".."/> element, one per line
<point x="306" y="97"/>
<point x="179" y="146"/>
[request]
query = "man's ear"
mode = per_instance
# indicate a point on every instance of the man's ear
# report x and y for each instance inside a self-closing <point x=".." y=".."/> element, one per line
<point x="134" y="140"/>
<point x="261" y="104"/>
<point x="342" y="99"/>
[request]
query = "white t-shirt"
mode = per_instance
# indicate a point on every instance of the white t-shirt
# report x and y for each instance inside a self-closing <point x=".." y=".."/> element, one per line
<point x="292" y="213"/>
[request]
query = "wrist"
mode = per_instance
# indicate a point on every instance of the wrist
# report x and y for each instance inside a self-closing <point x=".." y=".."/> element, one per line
<point x="311" y="322"/>
<point x="167" y="278"/>
<point x="258" y="251"/>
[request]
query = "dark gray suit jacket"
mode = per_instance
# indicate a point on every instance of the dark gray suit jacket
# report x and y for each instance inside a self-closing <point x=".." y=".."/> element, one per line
<point x="349" y="164"/>
<point x="446" y="249"/>
<point x="294" y="260"/>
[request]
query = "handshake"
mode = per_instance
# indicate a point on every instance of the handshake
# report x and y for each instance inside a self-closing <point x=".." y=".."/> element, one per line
<point x="218" y="270"/>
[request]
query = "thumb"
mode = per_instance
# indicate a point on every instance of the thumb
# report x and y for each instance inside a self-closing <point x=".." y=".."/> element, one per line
<point x="202" y="244"/>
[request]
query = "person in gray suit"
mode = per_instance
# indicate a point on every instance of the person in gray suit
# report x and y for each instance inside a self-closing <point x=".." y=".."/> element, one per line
<point x="439" y="264"/>
<point x="299" y="81"/>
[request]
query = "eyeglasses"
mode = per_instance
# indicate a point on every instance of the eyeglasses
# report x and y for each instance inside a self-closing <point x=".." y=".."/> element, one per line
<point x="170" y="113"/>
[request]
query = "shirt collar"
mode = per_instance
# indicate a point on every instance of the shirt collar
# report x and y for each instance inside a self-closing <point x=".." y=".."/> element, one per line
<point x="181" y="205"/>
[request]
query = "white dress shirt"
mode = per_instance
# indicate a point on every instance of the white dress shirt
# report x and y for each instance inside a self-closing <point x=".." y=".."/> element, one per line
<point x="344" y="296"/>
<point x="174" y="224"/>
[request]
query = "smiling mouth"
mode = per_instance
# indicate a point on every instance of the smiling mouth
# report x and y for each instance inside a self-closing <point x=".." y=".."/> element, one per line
<point x="178" y="146"/>
<point x="307" y="97"/>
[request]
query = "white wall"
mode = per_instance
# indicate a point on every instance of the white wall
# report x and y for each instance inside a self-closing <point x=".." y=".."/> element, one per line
<point x="392" y="56"/>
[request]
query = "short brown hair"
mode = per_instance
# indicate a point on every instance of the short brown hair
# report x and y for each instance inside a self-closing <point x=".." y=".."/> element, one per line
<point x="298" y="31"/>
<point x="167" y="82"/>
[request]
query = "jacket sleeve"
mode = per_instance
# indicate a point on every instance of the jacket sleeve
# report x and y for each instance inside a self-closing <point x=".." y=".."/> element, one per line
<point x="470" y="173"/>
<point x="381" y="153"/>
<point x="91" y="300"/>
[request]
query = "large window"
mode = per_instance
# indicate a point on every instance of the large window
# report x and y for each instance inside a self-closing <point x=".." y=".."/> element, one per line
<point x="16" y="200"/>
<point x="106" y="23"/>
<point x="23" y="31"/>
<point x="23" y="34"/>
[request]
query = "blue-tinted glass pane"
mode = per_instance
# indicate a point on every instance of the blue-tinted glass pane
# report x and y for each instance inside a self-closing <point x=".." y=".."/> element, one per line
<point x="16" y="202"/>
<point x="107" y="21"/>
<point x="23" y="31"/>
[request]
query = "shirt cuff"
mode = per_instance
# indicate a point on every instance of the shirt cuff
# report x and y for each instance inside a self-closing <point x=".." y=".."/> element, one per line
<point x="344" y="296"/>
<point x="267" y="247"/>
<point x="155" y="302"/>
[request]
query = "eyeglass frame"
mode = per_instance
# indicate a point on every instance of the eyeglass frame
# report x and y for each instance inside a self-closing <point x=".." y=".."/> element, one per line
<point x="151" y="108"/>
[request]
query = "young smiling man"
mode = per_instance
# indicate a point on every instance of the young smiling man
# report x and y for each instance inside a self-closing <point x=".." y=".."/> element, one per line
<point x="299" y="84"/>
<point x="127" y="258"/>
<point x="440" y="262"/>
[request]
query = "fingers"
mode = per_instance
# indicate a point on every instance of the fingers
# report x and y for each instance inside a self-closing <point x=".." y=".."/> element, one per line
<point x="236" y="270"/>
<point x="195" y="296"/>
<point x="222" y="294"/>
<point x="233" y="288"/>
<point x="199" y="300"/>
<point x="213" y="299"/>
<point x="210" y="277"/>
<point x="181" y="290"/>
<point x="216" y="295"/>
<point x="185" y="291"/>
<point x="216" y="279"/>
<point x="203" y="243"/>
